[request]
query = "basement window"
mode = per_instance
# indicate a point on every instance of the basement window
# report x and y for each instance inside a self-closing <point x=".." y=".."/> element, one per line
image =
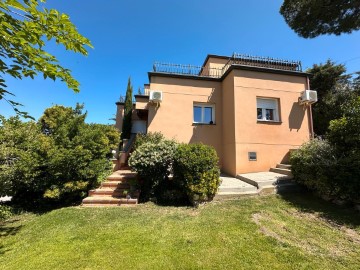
<point x="267" y="109"/>
<point x="204" y="113"/>
<point x="252" y="156"/>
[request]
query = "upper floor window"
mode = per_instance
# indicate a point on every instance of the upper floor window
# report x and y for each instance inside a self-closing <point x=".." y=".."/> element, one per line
<point x="204" y="113"/>
<point x="267" y="109"/>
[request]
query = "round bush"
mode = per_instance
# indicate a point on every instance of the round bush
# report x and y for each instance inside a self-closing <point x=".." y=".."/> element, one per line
<point x="196" y="170"/>
<point x="153" y="163"/>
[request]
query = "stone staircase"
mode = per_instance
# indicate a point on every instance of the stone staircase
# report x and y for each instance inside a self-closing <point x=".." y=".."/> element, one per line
<point x="119" y="189"/>
<point x="282" y="169"/>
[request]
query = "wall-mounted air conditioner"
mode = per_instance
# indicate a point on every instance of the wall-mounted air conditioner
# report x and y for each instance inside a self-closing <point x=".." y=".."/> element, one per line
<point x="308" y="97"/>
<point x="155" y="96"/>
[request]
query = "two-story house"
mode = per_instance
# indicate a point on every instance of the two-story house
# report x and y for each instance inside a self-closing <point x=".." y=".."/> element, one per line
<point x="246" y="107"/>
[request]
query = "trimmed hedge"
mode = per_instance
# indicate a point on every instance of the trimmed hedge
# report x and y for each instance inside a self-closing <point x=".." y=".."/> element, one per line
<point x="196" y="170"/>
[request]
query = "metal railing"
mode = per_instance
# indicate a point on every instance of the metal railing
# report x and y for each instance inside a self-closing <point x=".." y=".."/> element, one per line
<point x="236" y="59"/>
<point x="187" y="70"/>
<point x="266" y="62"/>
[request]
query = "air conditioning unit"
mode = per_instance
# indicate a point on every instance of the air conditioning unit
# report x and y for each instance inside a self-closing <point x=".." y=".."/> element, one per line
<point x="156" y="96"/>
<point x="308" y="97"/>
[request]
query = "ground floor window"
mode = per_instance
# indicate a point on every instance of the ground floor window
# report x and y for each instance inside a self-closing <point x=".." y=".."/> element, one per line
<point x="267" y="109"/>
<point x="204" y="113"/>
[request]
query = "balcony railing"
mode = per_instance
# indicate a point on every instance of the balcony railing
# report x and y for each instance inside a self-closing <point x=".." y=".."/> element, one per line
<point x="187" y="70"/>
<point x="265" y="62"/>
<point x="236" y="59"/>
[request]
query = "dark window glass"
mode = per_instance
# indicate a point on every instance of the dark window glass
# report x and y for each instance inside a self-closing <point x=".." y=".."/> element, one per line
<point x="269" y="114"/>
<point x="259" y="113"/>
<point x="207" y="115"/>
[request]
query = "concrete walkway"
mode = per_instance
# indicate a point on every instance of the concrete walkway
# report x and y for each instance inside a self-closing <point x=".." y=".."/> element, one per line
<point x="255" y="184"/>
<point x="233" y="187"/>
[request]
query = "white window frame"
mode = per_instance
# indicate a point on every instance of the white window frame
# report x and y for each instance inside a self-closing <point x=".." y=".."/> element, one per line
<point x="267" y="104"/>
<point x="203" y="106"/>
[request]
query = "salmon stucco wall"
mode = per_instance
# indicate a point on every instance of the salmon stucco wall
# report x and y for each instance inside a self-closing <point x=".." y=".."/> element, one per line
<point x="270" y="140"/>
<point x="174" y="116"/>
<point x="228" y="124"/>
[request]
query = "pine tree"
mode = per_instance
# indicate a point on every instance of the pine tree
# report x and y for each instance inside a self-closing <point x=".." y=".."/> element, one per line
<point x="128" y="107"/>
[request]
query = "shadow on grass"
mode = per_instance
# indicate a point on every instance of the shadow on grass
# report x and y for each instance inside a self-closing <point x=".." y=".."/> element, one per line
<point x="6" y="230"/>
<point x="308" y="202"/>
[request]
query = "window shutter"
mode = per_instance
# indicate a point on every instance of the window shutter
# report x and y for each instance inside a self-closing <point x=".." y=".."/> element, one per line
<point x="265" y="103"/>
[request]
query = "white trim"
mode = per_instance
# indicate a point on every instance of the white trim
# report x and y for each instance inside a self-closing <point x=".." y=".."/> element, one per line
<point x="267" y="104"/>
<point x="202" y="106"/>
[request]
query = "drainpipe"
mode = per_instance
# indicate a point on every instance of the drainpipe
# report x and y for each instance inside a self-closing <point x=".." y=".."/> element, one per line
<point x="310" y="113"/>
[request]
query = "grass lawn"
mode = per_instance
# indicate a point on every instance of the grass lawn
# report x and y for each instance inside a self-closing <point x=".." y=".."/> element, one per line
<point x="272" y="232"/>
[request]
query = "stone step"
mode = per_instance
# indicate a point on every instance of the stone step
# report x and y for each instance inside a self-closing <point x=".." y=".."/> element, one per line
<point x="108" y="205"/>
<point x="113" y="192"/>
<point x="235" y="194"/>
<point x="283" y="166"/>
<point x="281" y="171"/>
<point x="115" y="185"/>
<point x="104" y="201"/>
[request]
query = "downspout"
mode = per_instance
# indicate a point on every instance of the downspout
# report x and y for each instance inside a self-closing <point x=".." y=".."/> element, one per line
<point x="310" y="113"/>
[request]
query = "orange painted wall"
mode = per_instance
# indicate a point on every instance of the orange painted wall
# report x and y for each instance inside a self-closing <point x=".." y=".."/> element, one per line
<point x="271" y="141"/>
<point x="236" y="130"/>
<point x="174" y="116"/>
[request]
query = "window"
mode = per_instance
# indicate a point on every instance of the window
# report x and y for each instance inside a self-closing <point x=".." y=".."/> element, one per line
<point x="252" y="156"/>
<point x="267" y="109"/>
<point x="204" y="113"/>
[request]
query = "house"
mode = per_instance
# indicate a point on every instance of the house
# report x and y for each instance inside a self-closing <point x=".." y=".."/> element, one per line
<point x="252" y="110"/>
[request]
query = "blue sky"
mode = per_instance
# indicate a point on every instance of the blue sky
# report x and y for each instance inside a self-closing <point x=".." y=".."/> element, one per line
<point x="128" y="36"/>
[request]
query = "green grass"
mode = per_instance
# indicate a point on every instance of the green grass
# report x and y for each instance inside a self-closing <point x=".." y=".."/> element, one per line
<point x="295" y="232"/>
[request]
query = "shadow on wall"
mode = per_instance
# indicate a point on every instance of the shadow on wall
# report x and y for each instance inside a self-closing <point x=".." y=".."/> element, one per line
<point x="296" y="116"/>
<point x="202" y="132"/>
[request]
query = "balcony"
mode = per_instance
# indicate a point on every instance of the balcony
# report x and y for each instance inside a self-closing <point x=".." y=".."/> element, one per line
<point x="235" y="59"/>
<point x="189" y="70"/>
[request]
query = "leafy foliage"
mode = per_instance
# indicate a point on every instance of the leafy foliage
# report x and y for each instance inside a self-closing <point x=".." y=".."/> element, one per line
<point x="5" y="212"/>
<point x="334" y="88"/>
<point x="151" y="137"/>
<point x="332" y="167"/>
<point x="196" y="170"/>
<point x="128" y="109"/>
<point x="310" y="19"/>
<point x="313" y="165"/>
<point x="24" y="29"/>
<point x="153" y="163"/>
<point x="56" y="160"/>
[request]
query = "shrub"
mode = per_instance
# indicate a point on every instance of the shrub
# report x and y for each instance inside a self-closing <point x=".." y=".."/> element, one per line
<point x="196" y="170"/>
<point x="151" y="137"/>
<point x="313" y="165"/>
<point x="153" y="163"/>
<point x="56" y="161"/>
<point x="5" y="212"/>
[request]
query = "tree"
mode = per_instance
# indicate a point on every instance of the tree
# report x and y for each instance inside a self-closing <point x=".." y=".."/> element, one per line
<point x="55" y="161"/>
<point x="310" y="18"/>
<point x="334" y="88"/>
<point x="128" y="108"/>
<point x="24" y="28"/>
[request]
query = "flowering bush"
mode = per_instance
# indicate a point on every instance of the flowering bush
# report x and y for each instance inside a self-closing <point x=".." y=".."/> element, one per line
<point x="153" y="163"/>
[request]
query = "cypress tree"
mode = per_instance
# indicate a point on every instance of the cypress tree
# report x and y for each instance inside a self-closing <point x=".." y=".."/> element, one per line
<point x="128" y="107"/>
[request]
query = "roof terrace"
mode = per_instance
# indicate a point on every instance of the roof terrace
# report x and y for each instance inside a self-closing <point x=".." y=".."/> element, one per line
<point x="219" y="71"/>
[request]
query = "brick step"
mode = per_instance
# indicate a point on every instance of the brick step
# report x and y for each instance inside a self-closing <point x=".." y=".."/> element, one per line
<point x="108" y="205"/>
<point x="283" y="166"/>
<point x="281" y="171"/>
<point x="107" y="201"/>
<point x="115" y="185"/>
<point x="113" y="192"/>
